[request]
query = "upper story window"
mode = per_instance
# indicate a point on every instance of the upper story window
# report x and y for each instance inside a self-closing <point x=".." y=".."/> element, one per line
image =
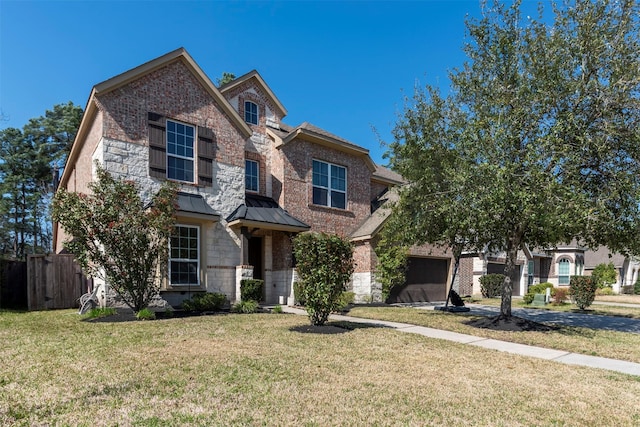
<point x="564" y="267"/>
<point x="329" y="185"/>
<point x="180" y="151"/>
<point x="251" y="175"/>
<point x="251" y="112"/>
<point x="184" y="260"/>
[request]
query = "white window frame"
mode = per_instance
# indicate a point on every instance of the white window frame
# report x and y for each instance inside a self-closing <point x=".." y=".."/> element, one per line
<point x="329" y="188"/>
<point x="184" y="157"/>
<point x="564" y="279"/>
<point x="185" y="260"/>
<point x="247" y="176"/>
<point x="530" y="272"/>
<point x="249" y="114"/>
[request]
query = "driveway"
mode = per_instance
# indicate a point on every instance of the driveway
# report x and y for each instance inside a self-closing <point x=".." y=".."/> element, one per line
<point x="593" y="321"/>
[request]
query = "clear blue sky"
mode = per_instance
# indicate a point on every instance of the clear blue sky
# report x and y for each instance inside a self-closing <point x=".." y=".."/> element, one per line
<point x="342" y="66"/>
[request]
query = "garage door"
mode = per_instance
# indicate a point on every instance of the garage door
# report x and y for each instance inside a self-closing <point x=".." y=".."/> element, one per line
<point x="495" y="268"/>
<point x="426" y="281"/>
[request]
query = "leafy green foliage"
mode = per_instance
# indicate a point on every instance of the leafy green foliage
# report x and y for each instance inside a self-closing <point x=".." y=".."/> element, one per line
<point x="298" y="293"/>
<point x="277" y="309"/>
<point x="392" y="264"/>
<point x="325" y="265"/>
<point x="96" y="313"/>
<point x="491" y="285"/>
<point x="116" y="238"/>
<point x="246" y="307"/>
<point x="542" y="110"/>
<point x="582" y="290"/>
<point x="226" y="78"/>
<point x="604" y="275"/>
<point x="208" y="301"/>
<point x="146" y="314"/>
<point x="636" y="287"/>
<point x="346" y="298"/>
<point x="29" y="159"/>
<point x="251" y="289"/>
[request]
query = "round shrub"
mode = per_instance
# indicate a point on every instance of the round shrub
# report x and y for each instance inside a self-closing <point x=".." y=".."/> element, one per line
<point x="246" y="307"/>
<point x="582" y="290"/>
<point x="251" y="289"/>
<point x="491" y="285"/>
<point x="209" y="301"/>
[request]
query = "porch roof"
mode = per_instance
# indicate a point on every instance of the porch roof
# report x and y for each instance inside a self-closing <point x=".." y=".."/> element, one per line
<point x="264" y="213"/>
<point x="194" y="206"/>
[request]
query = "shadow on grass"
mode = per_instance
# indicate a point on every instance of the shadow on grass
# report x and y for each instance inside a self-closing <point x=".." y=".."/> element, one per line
<point x="332" y="328"/>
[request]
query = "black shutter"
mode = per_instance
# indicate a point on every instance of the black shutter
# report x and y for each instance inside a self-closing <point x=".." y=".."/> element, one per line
<point x="206" y="153"/>
<point x="157" y="145"/>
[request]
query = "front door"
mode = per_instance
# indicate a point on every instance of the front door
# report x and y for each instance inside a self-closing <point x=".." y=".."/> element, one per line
<point x="255" y="256"/>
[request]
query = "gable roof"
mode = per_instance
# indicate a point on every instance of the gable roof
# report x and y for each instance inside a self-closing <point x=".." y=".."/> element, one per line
<point x="127" y="77"/>
<point x="253" y="74"/>
<point x="319" y="136"/>
<point x="374" y="222"/>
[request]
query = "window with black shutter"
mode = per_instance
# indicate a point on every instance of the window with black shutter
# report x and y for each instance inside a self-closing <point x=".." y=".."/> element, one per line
<point x="173" y="147"/>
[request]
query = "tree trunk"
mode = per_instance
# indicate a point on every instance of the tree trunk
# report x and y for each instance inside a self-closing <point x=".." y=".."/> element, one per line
<point x="509" y="269"/>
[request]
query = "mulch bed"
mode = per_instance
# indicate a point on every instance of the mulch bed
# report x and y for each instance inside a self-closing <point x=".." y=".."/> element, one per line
<point x="512" y="324"/>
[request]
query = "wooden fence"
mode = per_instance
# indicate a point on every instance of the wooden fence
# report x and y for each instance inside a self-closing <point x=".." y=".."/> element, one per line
<point x="54" y="281"/>
<point x="42" y="282"/>
<point x="13" y="284"/>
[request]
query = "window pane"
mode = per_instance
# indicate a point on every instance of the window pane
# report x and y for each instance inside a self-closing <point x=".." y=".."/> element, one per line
<point x="320" y="196"/>
<point x="338" y="200"/>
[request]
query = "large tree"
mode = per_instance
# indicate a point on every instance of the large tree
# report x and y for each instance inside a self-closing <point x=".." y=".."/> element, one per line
<point x="29" y="161"/>
<point x="536" y="143"/>
<point x="118" y="237"/>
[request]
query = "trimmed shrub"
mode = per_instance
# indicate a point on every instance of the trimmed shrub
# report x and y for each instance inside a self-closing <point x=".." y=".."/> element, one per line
<point x="209" y="301"/>
<point x="325" y="264"/>
<point x="582" y="290"/>
<point x="636" y="287"/>
<point x="246" y="307"/>
<point x="491" y="285"/>
<point x="251" y="289"/>
<point x="560" y="296"/>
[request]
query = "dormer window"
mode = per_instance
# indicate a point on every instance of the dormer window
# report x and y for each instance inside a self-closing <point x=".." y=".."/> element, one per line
<point x="251" y="112"/>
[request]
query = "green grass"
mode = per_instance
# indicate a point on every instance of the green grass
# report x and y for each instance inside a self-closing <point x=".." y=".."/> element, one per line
<point x="275" y="369"/>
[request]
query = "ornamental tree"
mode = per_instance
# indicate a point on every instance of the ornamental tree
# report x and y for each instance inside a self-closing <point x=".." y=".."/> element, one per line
<point x="537" y="142"/>
<point x="116" y="237"/>
<point x="325" y="264"/>
<point x="604" y="275"/>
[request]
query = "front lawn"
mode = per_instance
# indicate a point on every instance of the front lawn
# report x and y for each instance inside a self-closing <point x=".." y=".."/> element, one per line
<point x="274" y="369"/>
<point x="611" y="344"/>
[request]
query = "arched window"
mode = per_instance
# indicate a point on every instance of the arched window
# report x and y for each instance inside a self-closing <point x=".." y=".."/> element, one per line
<point x="564" y="267"/>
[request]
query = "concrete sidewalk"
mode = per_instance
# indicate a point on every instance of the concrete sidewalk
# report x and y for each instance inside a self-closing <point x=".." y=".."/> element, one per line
<point x="505" y="346"/>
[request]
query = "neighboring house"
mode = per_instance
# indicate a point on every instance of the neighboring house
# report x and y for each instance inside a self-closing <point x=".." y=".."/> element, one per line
<point x="248" y="181"/>
<point x="555" y="266"/>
